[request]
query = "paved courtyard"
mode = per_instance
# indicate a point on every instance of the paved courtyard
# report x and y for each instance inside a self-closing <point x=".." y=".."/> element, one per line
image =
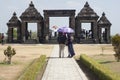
<point x="62" y="68"/>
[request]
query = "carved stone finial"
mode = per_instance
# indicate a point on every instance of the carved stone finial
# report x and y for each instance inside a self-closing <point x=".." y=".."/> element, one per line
<point x="14" y="14"/>
<point x="103" y="14"/>
<point x="86" y="4"/>
<point x="31" y="4"/>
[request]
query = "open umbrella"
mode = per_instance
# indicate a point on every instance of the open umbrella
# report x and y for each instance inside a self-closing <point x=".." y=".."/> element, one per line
<point x="65" y="30"/>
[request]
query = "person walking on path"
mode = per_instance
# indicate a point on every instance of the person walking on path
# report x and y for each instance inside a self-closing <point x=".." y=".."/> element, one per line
<point x="61" y="40"/>
<point x="70" y="46"/>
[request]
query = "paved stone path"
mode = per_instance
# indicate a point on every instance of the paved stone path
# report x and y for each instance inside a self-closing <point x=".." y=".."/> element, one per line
<point x="62" y="68"/>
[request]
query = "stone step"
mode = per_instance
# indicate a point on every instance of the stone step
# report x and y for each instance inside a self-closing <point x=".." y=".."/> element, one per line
<point x="31" y="41"/>
<point x="87" y="41"/>
<point x="53" y="41"/>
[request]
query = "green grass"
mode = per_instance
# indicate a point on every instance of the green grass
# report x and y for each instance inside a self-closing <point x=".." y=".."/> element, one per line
<point x="12" y="64"/>
<point x="33" y="70"/>
<point x="101" y="71"/>
<point x="108" y="61"/>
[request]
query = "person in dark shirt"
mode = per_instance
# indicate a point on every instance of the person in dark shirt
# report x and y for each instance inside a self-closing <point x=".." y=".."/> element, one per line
<point x="61" y="40"/>
<point x="70" y="46"/>
<point x="2" y="38"/>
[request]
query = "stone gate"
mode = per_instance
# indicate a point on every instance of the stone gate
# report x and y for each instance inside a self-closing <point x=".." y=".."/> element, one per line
<point x="58" y="13"/>
<point x="86" y="15"/>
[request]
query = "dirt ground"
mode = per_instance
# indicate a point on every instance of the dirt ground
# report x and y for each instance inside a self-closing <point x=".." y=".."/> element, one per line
<point x="26" y="53"/>
<point x="93" y="49"/>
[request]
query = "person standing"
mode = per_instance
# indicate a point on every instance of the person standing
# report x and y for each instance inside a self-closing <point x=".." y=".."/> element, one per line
<point x="2" y="38"/>
<point x="30" y="34"/>
<point x="61" y="40"/>
<point x="70" y="46"/>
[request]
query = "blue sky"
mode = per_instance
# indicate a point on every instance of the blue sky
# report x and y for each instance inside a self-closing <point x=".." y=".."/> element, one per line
<point x="110" y="7"/>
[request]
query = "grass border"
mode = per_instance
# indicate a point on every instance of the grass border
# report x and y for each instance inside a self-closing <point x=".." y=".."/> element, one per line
<point x="34" y="69"/>
<point x="102" y="72"/>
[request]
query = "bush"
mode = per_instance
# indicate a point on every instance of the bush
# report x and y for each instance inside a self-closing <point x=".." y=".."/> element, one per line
<point x="102" y="72"/>
<point x="9" y="52"/>
<point x="116" y="40"/>
<point x="33" y="70"/>
<point x="116" y="44"/>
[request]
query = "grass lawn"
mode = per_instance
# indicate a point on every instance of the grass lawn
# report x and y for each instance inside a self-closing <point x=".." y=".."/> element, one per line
<point x="108" y="60"/>
<point x="25" y="54"/>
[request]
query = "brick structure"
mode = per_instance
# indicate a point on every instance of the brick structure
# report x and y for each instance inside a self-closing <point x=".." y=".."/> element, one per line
<point x="103" y="22"/>
<point x="31" y="15"/>
<point x="14" y="22"/>
<point x="86" y="15"/>
<point x="58" y="13"/>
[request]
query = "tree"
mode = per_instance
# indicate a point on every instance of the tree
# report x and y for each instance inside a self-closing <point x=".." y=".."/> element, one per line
<point x="116" y="44"/>
<point x="34" y="35"/>
<point x="9" y="52"/>
<point x="15" y="33"/>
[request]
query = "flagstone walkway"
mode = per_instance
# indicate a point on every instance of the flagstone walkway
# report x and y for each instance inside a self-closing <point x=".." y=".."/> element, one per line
<point x="62" y="68"/>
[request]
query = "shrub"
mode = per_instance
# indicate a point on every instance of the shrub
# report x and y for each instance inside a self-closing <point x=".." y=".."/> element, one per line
<point x="102" y="72"/>
<point x="33" y="70"/>
<point x="9" y="52"/>
<point x="116" y="40"/>
<point x="116" y="44"/>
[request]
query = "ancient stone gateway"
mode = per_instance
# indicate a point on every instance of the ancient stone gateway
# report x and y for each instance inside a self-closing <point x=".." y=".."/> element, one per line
<point x="99" y="27"/>
<point x="57" y="13"/>
<point x="87" y="15"/>
<point x="14" y="23"/>
<point x="104" y="23"/>
<point x="31" y="15"/>
<point x="95" y="34"/>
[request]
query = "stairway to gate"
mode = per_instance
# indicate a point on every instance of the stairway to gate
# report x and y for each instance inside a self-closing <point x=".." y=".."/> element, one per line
<point x="31" y="41"/>
<point x="87" y="41"/>
<point x="53" y="40"/>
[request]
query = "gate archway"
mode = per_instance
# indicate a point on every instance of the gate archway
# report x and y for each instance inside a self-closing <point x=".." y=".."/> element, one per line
<point x="31" y="15"/>
<point x="57" y="13"/>
<point x="87" y="15"/>
<point x="14" y="25"/>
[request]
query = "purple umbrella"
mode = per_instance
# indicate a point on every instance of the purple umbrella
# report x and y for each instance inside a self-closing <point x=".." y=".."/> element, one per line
<point x="65" y="30"/>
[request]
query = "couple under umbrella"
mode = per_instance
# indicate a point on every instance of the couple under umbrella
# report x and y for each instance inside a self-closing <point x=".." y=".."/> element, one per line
<point x="64" y="38"/>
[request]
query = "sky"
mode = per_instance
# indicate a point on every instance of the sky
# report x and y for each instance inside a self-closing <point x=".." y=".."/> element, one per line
<point x="110" y="7"/>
